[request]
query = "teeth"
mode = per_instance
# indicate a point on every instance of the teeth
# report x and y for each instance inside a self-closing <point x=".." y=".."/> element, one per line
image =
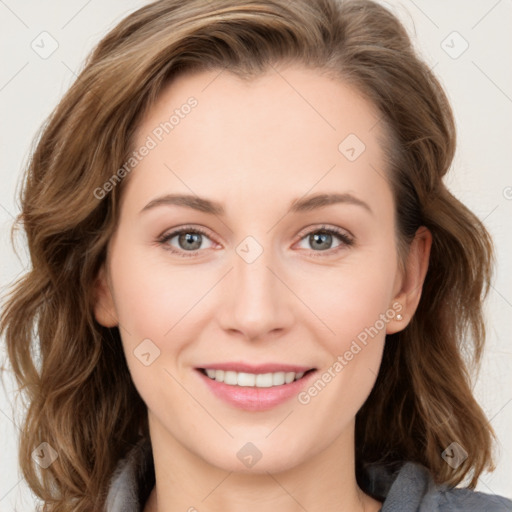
<point x="260" y="380"/>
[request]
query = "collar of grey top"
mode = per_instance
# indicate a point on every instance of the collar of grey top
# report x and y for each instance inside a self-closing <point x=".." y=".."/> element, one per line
<point x="408" y="489"/>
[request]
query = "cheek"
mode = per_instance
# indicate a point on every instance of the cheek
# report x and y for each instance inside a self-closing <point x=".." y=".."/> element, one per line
<point x="355" y="306"/>
<point x="354" y="344"/>
<point x="152" y="297"/>
<point x="159" y="307"/>
<point x="353" y="296"/>
<point x="355" y="315"/>
<point x="154" y="304"/>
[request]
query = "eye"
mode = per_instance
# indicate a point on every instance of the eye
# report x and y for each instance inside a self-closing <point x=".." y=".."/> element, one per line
<point x="188" y="239"/>
<point x="322" y="238"/>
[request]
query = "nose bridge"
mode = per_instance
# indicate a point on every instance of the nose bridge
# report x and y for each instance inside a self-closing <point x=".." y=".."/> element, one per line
<point x="259" y="301"/>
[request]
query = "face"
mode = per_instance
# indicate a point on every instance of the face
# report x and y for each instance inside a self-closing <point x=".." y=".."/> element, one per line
<point x="267" y="274"/>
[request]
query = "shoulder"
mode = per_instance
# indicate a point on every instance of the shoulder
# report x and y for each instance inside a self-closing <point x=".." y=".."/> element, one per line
<point x="416" y="480"/>
<point x="412" y="489"/>
<point x="467" y="500"/>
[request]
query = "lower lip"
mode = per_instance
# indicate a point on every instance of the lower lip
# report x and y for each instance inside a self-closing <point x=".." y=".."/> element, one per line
<point x="256" y="399"/>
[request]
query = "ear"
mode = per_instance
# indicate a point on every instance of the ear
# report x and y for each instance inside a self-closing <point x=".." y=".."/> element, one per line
<point x="104" y="307"/>
<point x="413" y="277"/>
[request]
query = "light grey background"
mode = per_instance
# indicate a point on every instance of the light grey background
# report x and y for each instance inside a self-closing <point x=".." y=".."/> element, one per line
<point x="478" y="80"/>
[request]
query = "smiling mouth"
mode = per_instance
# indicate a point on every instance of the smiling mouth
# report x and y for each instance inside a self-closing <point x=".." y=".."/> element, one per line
<point x="260" y="380"/>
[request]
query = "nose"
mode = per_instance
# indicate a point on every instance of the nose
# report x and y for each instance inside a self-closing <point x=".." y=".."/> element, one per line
<point x="257" y="301"/>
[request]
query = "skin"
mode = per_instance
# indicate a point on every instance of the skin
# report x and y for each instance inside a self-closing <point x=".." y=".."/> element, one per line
<point x="255" y="147"/>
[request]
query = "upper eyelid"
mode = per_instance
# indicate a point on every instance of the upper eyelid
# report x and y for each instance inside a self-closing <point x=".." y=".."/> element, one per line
<point x="324" y="227"/>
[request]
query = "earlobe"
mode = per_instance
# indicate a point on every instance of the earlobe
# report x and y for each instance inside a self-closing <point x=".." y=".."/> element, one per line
<point x="412" y="284"/>
<point x="104" y="308"/>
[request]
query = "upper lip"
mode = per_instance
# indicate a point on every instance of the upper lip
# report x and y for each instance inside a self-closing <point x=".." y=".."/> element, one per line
<point x="259" y="368"/>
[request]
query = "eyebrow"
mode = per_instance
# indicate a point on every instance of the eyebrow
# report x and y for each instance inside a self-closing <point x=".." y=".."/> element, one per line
<point x="301" y="205"/>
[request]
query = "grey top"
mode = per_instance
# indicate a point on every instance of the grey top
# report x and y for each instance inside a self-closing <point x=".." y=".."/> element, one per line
<point x="409" y="489"/>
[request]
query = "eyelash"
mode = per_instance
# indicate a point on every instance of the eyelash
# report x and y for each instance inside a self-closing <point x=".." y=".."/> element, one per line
<point x="346" y="240"/>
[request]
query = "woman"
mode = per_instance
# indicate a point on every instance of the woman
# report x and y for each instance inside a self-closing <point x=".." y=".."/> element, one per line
<point x="201" y="348"/>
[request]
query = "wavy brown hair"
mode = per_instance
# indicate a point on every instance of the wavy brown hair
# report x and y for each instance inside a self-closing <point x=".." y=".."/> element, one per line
<point x="72" y="371"/>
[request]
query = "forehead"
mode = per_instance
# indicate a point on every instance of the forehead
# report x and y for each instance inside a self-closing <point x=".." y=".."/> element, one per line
<point x="273" y="99"/>
<point x="287" y="128"/>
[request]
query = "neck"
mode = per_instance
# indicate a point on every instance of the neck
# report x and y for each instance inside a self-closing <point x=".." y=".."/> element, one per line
<point x="322" y="481"/>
